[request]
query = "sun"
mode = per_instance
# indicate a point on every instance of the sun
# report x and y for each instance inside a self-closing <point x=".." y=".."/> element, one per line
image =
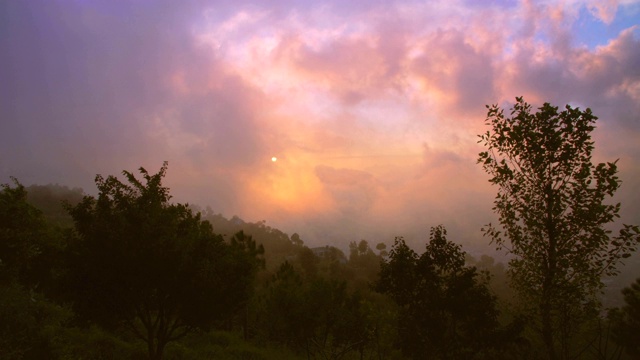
<point x="274" y="159"/>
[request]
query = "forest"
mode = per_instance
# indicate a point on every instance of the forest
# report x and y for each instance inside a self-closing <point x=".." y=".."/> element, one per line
<point x="129" y="274"/>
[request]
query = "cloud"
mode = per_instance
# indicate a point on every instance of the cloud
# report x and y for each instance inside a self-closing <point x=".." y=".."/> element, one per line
<point x="345" y="95"/>
<point x="352" y="191"/>
<point x="87" y="75"/>
<point x="457" y="74"/>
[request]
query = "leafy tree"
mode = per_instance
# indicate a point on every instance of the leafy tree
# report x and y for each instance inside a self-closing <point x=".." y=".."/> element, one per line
<point x="308" y="261"/>
<point x="27" y="318"/>
<point x="282" y="317"/>
<point x="29" y="324"/>
<point x="248" y="258"/>
<point x="446" y="309"/>
<point x="342" y="324"/>
<point x="317" y="317"/>
<point x="552" y="211"/>
<point x="626" y="321"/>
<point x="153" y="267"/>
<point x="23" y="236"/>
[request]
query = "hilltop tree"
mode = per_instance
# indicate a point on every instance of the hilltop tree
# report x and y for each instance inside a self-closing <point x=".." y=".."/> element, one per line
<point x="553" y="215"/>
<point x="153" y="267"/>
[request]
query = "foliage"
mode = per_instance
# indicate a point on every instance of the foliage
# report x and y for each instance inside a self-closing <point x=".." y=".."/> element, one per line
<point x="626" y="321"/>
<point x="446" y="309"/>
<point x="552" y="211"/>
<point x="23" y="236"/>
<point x="214" y="344"/>
<point x="153" y="267"/>
<point x="28" y="323"/>
<point x="28" y="249"/>
<point x="316" y="317"/>
<point x="71" y="343"/>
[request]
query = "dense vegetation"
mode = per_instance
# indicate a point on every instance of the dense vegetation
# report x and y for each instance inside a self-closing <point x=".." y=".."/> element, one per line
<point x="130" y="275"/>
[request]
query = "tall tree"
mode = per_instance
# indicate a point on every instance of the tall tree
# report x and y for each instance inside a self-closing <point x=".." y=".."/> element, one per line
<point x="154" y="267"/>
<point x="552" y="209"/>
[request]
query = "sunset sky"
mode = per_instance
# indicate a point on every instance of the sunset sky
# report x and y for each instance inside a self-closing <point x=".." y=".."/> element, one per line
<point x="372" y="108"/>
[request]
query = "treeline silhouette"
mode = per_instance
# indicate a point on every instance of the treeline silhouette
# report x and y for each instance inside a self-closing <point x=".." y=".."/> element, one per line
<point x="276" y="299"/>
<point x="129" y="274"/>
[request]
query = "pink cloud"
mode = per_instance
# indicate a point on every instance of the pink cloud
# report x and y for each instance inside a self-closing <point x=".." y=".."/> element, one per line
<point x="460" y="76"/>
<point x="345" y="95"/>
<point x="331" y="96"/>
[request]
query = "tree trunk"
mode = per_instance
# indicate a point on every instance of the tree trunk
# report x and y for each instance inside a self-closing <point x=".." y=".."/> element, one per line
<point x="547" y="329"/>
<point x="156" y="349"/>
<point x="156" y="342"/>
<point x="151" y="343"/>
<point x="159" y="351"/>
<point x="546" y="307"/>
<point x="245" y="323"/>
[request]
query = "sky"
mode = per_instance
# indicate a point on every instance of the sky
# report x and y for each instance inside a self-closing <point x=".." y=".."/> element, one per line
<point x="371" y="108"/>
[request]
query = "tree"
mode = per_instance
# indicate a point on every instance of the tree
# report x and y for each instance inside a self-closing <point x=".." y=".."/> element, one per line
<point x="153" y="267"/>
<point x="552" y="211"/>
<point x="446" y="309"/>
<point x="27" y="249"/>
<point x="626" y="321"/>
<point x="247" y="259"/>
<point x="314" y="316"/>
<point x="23" y="236"/>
